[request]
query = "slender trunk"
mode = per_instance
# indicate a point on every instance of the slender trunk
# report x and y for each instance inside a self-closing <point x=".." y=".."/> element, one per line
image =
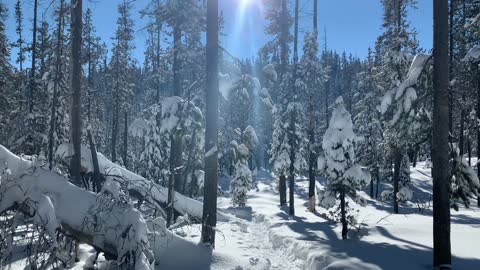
<point x="371" y="188"/>
<point x="469" y="150"/>
<point x="76" y="84"/>
<point x="476" y="125"/>
<point x="171" y="184"/>
<point x="461" y="132"/>
<point x="34" y="56"/>
<point x="312" y="159"/>
<point x="58" y="60"/>
<point x="293" y="116"/>
<point x="450" y="71"/>
<point x="397" y="159"/>
<point x="177" y="35"/>
<point x="378" y="184"/>
<point x="284" y="39"/>
<point x="442" y="257"/>
<point x="344" y="215"/>
<point x="114" y="133"/>
<point x="96" y="185"/>
<point x="125" y="140"/>
<point x="209" y="218"/>
<point x="282" y="188"/>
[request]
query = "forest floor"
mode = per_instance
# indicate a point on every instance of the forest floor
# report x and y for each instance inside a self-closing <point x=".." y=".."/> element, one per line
<point x="263" y="236"/>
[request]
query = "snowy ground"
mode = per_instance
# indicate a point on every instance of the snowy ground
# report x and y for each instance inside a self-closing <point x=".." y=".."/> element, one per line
<point x="268" y="238"/>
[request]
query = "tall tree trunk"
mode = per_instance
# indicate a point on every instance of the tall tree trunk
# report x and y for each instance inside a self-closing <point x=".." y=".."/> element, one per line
<point x="76" y="80"/>
<point x="114" y="132"/>
<point x="440" y="157"/>
<point x="397" y="160"/>
<point x="312" y="159"/>
<point x="450" y="70"/>
<point x="293" y="116"/>
<point x="125" y="140"/>
<point x="283" y="39"/>
<point x="343" y="215"/>
<point x="97" y="185"/>
<point x="283" y="189"/>
<point x="58" y="49"/>
<point x="171" y="183"/>
<point x="34" y="56"/>
<point x="476" y="125"/>
<point x="209" y="219"/>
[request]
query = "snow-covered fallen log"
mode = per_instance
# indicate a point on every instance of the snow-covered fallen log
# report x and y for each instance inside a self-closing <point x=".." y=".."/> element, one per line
<point x="118" y="230"/>
<point x="149" y="190"/>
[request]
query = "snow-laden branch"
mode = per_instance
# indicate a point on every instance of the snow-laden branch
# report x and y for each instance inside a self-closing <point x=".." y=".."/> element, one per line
<point x="149" y="191"/>
<point x="54" y="203"/>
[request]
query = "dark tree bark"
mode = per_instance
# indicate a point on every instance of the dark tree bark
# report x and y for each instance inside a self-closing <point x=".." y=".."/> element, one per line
<point x="58" y="60"/>
<point x="450" y="70"/>
<point x="34" y="57"/>
<point x="440" y="149"/>
<point x="343" y="216"/>
<point x="397" y="160"/>
<point x="76" y="80"/>
<point x="283" y="189"/>
<point x="312" y="158"/>
<point x="478" y="130"/>
<point x="209" y="219"/>
<point x="97" y="185"/>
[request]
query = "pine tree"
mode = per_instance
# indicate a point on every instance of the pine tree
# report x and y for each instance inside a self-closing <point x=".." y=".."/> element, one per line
<point x="344" y="176"/>
<point x="20" y="43"/>
<point x="121" y="69"/>
<point x="7" y="102"/>
<point x="242" y="180"/>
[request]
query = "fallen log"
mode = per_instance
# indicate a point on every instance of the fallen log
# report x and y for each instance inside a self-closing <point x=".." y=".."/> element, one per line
<point x="118" y="230"/>
<point x="143" y="189"/>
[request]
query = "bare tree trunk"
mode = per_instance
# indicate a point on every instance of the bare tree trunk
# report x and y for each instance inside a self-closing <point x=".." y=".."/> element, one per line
<point x="125" y="140"/>
<point x="293" y="116"/>
<point x="312" y="158"/>
<point x="209" y="219"/>
<point x="114" y="132"/>
<point x="397" y="160"/>
<point x="76" y="54"/>
<point x="344" y="215"/>
<point x="97" y="185"/>
<point x="171" y="183"/>
<point x="476" y="124"/>
<point x="58" y="60"/>
<point x="450" y="71"/>
<point x="282" y="187"/>
<point x="284" y="39"/>
<point x="440" y="157"/>
<point x="34" y="56"/>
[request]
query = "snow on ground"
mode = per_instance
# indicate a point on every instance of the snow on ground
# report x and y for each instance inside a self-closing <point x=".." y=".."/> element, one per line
<point x="271" y="239"/>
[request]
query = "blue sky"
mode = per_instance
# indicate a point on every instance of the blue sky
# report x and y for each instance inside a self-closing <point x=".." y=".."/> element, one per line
<point x="351" y="25"/>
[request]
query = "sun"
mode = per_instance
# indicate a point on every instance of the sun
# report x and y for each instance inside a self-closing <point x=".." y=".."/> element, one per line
<point x="244" y="3"/>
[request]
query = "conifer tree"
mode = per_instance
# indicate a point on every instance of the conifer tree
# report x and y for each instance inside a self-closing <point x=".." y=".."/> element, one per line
<point x="344" y="176"/>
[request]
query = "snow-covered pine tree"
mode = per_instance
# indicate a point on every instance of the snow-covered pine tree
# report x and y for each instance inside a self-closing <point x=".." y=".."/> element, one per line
<point x="395" y="46"/>
<point x="242" y="180"/>
<point x="313" y="79"/>
<point x="121" y="69"/>
<point x="344" y="176"/>
<point x="7" y="101"/>
<point x="20" y="42"/>
<point x="368" y="123"/>
<point x="57" y="79"/>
